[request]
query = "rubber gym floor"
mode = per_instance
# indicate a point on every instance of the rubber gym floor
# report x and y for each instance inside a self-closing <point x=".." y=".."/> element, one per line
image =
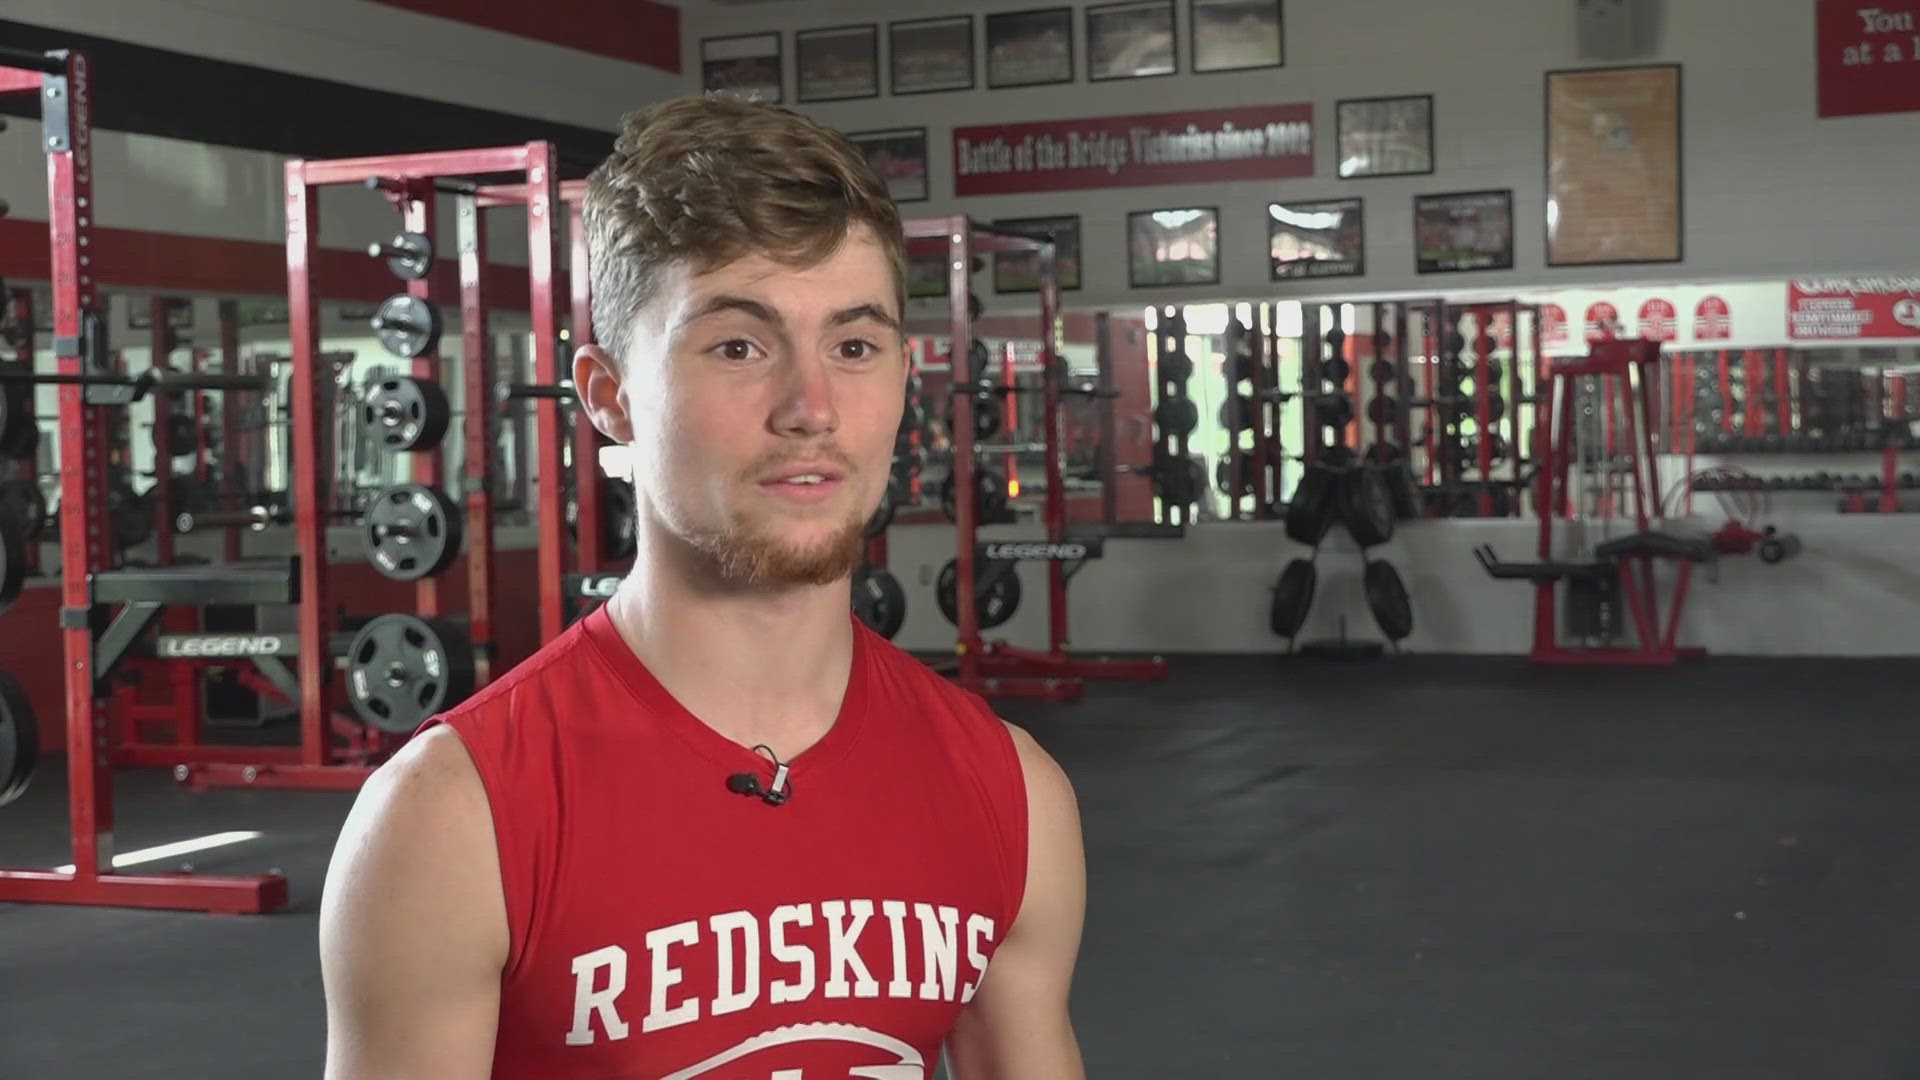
<point x="1426" y="867"/>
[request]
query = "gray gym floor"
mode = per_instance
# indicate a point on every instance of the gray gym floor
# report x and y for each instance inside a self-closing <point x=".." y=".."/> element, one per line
<point x="1423" y="867"/>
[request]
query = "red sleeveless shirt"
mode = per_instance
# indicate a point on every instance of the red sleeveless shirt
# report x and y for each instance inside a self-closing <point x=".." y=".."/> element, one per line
<point x="663" y="926"/>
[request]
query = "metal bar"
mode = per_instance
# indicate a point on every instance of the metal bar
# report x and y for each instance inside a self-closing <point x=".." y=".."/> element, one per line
<point x="170" y="892"/>
<point x="274" y="775"/>
<point x="543" y="209"/>
<point x="34" y="63"/>
<point x="429" y="165"/>
<point x="965" y="488"/>
<point x="160" y="338"/>
<point x="84" y="528"/>
<point x="307" y="489"/>
<point x="1056" y="505"/>
<point x="417" y="204"/>
<point x="132" y="621"/>
<point x="231" y="456"/>
<point x="476" y="366"/>
<point x="589" y="531"/>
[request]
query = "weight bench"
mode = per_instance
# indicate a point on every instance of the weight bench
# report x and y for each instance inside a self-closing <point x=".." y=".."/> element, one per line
<point x="147" y="591"/>
<point x="1656" y="545"/>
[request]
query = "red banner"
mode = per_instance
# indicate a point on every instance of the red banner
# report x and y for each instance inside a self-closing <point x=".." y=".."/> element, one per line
<point x="1712" y="319"/>
<point x="1658" y="321"/>
<point x="1868" y="54"/>
<point x="1842" y="309"/>
<point x="1263" y="143"/>
<point x="1603" y="322"/>
<point x="1553" y="324"/>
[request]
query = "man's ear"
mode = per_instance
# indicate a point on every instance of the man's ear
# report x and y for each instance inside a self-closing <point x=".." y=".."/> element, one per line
<point x="596" y="382"/>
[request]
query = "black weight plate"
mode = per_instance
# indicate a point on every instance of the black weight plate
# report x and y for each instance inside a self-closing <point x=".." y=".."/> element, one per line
<point x="19" y="432"/>
<point x="401" y="670"/>
<point x="1387" y="596"/>
<point x="1228" y="480"/>
<point x="992" y="488"/>
<point x="411" y="532"/>
<point x="1238" y="367"/>
<point x="1334" y="411"/>
<point x="1310" y="514"/>
<point x="1238" y="412"/>
<point x="1335" y="370"/>
<point x="418" y="257"/>
<point x="1293" y="597"/>
<point x="619" y="532"/>
<point x="1176" y="416"/>
<point x="996" y="591"/>
<point x="13" y="562"/>
<point x="1402" y="490"/>
<point x="979" y="358"/>
<point x="22" y="503"/>
<point x="1176" y="367"/>
<point x="183" y="435"/>
<point x="1382" y="372"/>
<point x="1180" y="487"/>
<point x="986" y="416"/>
<point x="407" y="326"/>
<point x="131" y="515"/>
<point x="1366" y="506"/>
<point x="403" y="413"/>
<point x="1383" y="410"/>
<point x="19" y="739"/>
<point x="879" y="601"/>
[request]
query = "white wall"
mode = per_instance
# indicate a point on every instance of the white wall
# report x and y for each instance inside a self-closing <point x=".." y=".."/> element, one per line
<point x="1769" y="190"/>
<point x="376" y="46"/>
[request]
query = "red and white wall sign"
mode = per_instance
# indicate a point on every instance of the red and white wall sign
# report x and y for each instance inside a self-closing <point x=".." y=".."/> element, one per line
<point x="1728" y="316"/>
<point x="1850" y="309"/>
<point x="1712" y="320"/>
<point x="1658" y="320"/>
<point x="1602" y="321"/>
<point x="1553" y="325"/>
<point x="1868" y="55"/>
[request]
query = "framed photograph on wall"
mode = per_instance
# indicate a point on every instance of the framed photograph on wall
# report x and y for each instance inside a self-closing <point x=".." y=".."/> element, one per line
<point x="1019" y="271"/>
<point x="837" y="64"/>
<point x="1613" y="166"/>
<point x="1316" y="239"/>
<point x="1131" y="40"/>
<point x="930" y="55"/>
<point x="1173" y="247"/>
<point x="1463" y="230"/>
<point x="745" y="64"/>
<point x="1236" y="35"/>
<point x="927" y="276"/>
<point x="1029" y="48"/>
<point x="899" y="158"/>
<point x="1390" y="136"/>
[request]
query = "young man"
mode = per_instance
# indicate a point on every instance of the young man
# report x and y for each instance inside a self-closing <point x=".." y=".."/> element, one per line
<point x="719" y="829"/>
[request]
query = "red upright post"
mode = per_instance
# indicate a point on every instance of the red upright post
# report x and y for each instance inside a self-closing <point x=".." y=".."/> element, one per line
<point x="476" y="355"/>
<point x="543" y="205"/>
<point x="307" y="486"/>
<point x="1056" y="507"/>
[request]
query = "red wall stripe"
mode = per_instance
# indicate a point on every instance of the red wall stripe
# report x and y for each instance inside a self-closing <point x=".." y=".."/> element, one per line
<point x="641" y="31"/>
<point x="205" y="266"/>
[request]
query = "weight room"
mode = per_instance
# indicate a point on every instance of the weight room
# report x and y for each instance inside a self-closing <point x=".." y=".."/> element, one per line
<point x="1442" y="479"/>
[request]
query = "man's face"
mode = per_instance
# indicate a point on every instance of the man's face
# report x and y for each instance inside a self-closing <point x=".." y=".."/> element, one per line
<point x="765" y="400"/>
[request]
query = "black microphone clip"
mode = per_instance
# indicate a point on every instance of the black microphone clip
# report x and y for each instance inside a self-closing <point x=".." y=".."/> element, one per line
<point x="747" y="783"/>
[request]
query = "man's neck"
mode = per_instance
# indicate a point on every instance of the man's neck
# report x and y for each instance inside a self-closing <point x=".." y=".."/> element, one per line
<point x="758" y="667"/>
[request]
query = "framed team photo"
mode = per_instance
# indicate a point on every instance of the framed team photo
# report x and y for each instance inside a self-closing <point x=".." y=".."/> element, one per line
<point x="1019" y="271"/>
<point x="899" y="159"/>
<point x="926" y="276"/>
<point x="930" y="55"/>
<point x="1029" y="48"/>
<point x="837" y="64"/>
<point x="1236" y="35"/>
<point x="1173" y="247"/>
<point x="1385" y="136"/>
<point x="1463" y="230"/>
<point x="745" y="64"/>
<point x="1316" y="239"/>
<point x="1131" y="40"/>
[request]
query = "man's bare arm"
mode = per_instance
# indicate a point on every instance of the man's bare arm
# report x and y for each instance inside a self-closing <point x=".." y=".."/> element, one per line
<point x="413" y="928"/>
<point x="1017" y="1026"/>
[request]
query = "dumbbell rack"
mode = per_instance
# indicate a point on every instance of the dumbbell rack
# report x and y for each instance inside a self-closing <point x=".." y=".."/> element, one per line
<point x="996" y="668"/>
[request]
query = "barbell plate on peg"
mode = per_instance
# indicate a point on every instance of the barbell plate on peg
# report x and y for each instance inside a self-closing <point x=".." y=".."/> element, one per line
<point x="1387" y="597"/>
<point x="402" y="669"/>
<point x="409" y="255"/>
<point x="1176" y="367"/>
<point x="1176" y="416"/>
<point x="996" y="591"/>
<point x="412" y="531"/>
<point x="404" y="413"/>
<point x="19" y="432"/>
<point x="19" y="739"/>
<point x="22" y="502"/>
<point x="879" y="601"/>
<point x="407" y="326"/>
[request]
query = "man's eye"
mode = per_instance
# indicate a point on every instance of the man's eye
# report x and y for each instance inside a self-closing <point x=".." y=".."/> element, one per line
<point x="858" y="349"/>
<point x="737" y="349"/>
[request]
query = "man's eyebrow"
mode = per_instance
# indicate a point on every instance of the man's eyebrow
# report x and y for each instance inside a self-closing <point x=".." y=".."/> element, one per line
<point x="865" y="311"/>
<point x="725" y="302"/>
